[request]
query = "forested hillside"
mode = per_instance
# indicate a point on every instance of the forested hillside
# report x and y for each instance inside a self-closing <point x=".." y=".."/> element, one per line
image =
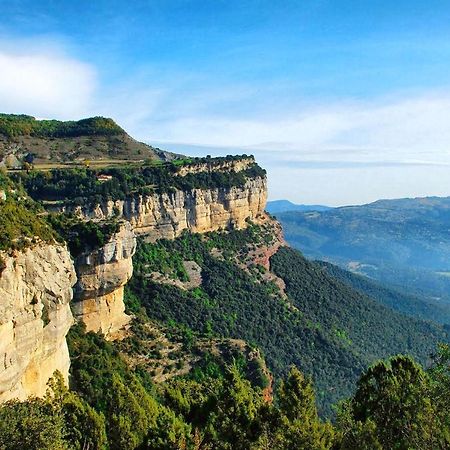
<point x="222" y="339"/>
<point x="325" y="327"/>
<point x="392" y="297"/>
<point x="402" y="242"/>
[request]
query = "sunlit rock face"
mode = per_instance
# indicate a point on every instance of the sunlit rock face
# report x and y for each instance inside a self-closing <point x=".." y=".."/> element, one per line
<point x="35" y="316"/>
<point x="102" y="275"/>
<point x="167" y="215"/>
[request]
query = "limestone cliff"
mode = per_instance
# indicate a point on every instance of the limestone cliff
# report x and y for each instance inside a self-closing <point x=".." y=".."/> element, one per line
<point x="35" y="291"/>
<point x="167" y="215"/>
<point x="102" y="274"/>
<point x="213" y="165"/>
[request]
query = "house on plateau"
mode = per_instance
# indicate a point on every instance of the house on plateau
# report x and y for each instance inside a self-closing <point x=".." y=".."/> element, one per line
<point x="102" y="178"/>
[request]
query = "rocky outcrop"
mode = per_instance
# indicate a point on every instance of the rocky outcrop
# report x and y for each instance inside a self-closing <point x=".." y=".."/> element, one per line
<point x="262" y="254"/>
<point x="167" y="215"/>
<point x="35" y="291"/>
<point x="214" y="165"/>
<point x="102" y="274"/>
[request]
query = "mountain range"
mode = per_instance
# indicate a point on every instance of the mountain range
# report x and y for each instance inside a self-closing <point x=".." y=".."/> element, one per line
<point x="403" y="243"/>
<point x="277" y="206"/>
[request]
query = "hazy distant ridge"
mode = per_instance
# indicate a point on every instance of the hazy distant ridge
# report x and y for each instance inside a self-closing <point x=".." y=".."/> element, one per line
<point x="279" y="206"/>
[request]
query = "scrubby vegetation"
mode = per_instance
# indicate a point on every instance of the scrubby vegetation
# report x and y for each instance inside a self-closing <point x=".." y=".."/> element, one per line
<point x="82" y="236"/>
<point x="81" y="186"/>
<point x="12" y="125"/>
<point x="20" y="222"/>
<point x="327" y="329"/>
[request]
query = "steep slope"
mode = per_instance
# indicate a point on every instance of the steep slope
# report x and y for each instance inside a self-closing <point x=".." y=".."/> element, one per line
<point x="209" y="263"/>
<point x="102" y="274"/>
<point x="37" y="286"/>
<point x="412" y="305"/>
<point x="35" y="291"/>
<point x="36" y="279"/>
<point x="328" y="329"/>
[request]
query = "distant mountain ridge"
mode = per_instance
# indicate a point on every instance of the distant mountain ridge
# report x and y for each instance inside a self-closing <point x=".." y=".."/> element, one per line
<point x="404" y="242"/>
<point x="277" y="206"/>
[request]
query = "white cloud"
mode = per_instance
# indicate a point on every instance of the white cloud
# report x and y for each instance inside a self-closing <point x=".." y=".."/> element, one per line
<point x="44" y="82"/>
<point x="340" y="153"/>
<point x="387" y="129"/>
<point x="333" y="152"/>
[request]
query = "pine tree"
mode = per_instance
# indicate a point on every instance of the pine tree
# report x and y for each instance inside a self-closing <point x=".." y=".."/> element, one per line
<point x="393" y="401"/>
<point x="300" y="426"/>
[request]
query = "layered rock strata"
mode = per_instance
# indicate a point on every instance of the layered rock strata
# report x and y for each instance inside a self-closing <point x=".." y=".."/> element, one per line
<point x="35" y="291"/>
<point x="102" y="275"/>
<point x="167" y="215"/>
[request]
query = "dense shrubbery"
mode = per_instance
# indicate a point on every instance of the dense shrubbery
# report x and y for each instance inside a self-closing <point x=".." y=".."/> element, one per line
<point x="20" y="222"/>
<point x="221" y="159"/>
<point x="81" y="185"/>
<point x="82" y="236"/>
<point x="13" y="125"/>
<point x="410" y="304"/>
<point x="371" y="330"/>
<point x="333" y="335"/>
<point x="397" y="405"/>
<point x="224" y="412"/>
<point x="20" y="226"/>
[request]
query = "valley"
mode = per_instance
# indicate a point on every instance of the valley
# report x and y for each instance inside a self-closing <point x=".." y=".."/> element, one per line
<point x="158" y="305"/>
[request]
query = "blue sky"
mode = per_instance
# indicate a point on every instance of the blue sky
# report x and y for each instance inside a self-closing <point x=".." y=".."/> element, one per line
<point x="342" y="101"/>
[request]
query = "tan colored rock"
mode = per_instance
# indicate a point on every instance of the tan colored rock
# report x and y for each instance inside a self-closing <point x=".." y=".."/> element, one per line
<point x="105" y="313"/>
<point x="101" y="277"/>
<point x="167" y="215"/>
<point x="35" y="291"/>
<point x="215" y="166"/>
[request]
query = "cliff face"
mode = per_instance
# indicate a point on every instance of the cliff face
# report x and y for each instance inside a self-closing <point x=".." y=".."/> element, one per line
<point x="101" y="276"/>
<point x="35" y="291"/>
<point x="168" y="215"/>
<point x="215" y="166"/>
<point x="36" y="284"/>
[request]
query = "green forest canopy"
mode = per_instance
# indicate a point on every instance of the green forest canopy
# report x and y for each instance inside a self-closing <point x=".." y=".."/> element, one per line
<point x="12" y="125"/>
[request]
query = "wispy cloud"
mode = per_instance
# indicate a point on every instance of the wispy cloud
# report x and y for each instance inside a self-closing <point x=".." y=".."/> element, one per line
<point x="40" y="79"/>
<point x="326" y="151"/>
<point x="394" y="129"/>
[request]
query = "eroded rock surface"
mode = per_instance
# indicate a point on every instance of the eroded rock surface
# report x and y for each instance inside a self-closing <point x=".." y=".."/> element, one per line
<point x="167" y="215"/>
<point x="102" y="275"/>
<point x="35" y="291"/>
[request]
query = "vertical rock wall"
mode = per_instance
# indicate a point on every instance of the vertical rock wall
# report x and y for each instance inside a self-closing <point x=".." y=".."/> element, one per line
<point x="102" y="275"/>
<point x="167" y="215"/>
<point x="35" y="291"/>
